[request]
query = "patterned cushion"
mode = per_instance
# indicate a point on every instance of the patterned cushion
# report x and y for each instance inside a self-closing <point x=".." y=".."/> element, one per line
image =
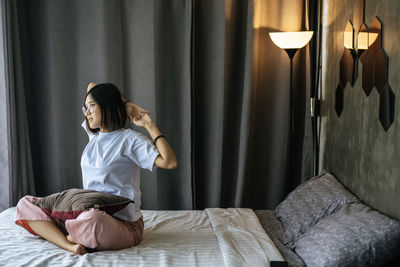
<point x="70" y="203"/>
<point x="356" y="235"/>
<point x="310" y="202"/>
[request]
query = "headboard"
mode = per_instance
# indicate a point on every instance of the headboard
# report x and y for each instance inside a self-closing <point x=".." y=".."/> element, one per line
<point x="354" y="146"/>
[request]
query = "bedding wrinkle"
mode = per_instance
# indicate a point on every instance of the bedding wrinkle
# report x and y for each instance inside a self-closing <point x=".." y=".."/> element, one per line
<point x="256" y="236"/>
<point x="241" y="238"/>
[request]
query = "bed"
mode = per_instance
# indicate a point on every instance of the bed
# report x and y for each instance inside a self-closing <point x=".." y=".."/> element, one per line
<point x="320" y="223"/>
<point x="213" y="237"/>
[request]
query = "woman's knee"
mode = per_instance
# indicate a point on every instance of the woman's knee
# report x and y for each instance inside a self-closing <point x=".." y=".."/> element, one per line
<point x="23" y="201"/>
<point x="97" y="229"/>
<point x="27" y="210"/>
<point x="85" y="228"/>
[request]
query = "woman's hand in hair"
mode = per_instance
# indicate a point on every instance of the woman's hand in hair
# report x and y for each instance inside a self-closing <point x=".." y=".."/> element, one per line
<point x="90" y="86"/>
<point x="143" y="121"/>
<point x="134" y="112"/>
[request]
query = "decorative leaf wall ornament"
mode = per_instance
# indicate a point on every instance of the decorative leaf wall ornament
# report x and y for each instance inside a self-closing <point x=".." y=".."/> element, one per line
<point x="366" y="45"/>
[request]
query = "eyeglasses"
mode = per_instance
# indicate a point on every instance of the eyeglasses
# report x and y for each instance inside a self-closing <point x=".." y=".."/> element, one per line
<point x="90" y="109"/>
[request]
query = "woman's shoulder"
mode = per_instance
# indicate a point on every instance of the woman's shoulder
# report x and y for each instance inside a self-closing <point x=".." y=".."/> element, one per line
<point x="130" y="132"/>
<point x="133" y="135"/>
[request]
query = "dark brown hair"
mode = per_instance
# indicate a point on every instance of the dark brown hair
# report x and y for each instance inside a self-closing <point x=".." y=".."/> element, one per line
<point x="113" y="113"/>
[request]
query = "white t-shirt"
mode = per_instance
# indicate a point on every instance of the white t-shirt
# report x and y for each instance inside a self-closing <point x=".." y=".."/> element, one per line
<point x="111" y="163"/>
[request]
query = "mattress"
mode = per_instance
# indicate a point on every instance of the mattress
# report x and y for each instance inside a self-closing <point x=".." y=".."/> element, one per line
<point x="213" y="237"/>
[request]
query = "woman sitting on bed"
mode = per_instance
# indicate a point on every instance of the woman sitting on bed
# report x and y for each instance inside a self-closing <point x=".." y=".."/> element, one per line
<point x="110" y="163"/>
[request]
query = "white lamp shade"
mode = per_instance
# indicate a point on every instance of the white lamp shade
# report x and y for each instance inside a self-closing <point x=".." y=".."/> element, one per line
<point x="291" y="40"/>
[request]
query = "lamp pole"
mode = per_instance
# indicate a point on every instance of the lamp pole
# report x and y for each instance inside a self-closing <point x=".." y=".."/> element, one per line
<point x="291" y="42"/>
<point x="291" y="53"/>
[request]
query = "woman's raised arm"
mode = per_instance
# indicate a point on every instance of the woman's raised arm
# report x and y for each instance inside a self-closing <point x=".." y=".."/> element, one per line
<point x="167" y="158"/>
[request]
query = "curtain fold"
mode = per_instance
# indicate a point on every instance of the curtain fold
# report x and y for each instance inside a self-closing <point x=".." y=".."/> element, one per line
<point x="208" y="95"/>
<point x="207" y="70"/>
<point x="172" y="36"/>
<point x="19" y="159"/>
<point x="222" y="93"/>
<point x="241" y="32"/>
<point x="4" y="151"/>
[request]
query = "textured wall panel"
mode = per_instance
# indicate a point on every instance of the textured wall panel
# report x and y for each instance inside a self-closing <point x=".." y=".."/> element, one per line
<point x="355" y="147"/>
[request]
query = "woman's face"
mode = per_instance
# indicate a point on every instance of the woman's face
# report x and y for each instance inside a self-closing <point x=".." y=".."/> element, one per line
<point x="93" y="112"/>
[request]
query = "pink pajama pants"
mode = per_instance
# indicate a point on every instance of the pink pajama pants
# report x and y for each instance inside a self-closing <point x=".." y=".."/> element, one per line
<point x="93" y="229"/>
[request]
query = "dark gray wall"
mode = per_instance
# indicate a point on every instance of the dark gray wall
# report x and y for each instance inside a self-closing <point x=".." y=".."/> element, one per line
<point x="355" y="147"/>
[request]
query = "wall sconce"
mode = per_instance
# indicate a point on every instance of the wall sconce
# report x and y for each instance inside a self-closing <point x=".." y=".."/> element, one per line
<point x="291" y="42"/>
<point x="366" y="39"/>
<point x="366" y="45"/>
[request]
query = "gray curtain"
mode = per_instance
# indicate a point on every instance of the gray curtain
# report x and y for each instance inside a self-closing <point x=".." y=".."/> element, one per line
<point x="4" y="163"/>
<point x="16" y="158"/>
<point x="216" y="87"/>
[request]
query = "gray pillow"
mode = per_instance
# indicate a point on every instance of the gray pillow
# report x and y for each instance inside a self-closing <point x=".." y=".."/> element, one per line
<point x="356" y="235"/>
<point x="310" y="202"/>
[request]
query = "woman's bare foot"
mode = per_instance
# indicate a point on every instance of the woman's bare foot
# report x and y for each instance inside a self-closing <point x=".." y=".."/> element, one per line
<point x="69" y="238"/>
<point x="78" y="249"/>
<point x="49" y="231"/>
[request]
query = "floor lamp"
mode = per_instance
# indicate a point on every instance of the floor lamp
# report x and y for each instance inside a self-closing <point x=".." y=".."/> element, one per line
<point x="291" y="42"/>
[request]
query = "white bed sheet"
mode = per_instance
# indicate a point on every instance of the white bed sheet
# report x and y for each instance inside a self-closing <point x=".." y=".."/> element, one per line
<point x="171" y="238"/>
